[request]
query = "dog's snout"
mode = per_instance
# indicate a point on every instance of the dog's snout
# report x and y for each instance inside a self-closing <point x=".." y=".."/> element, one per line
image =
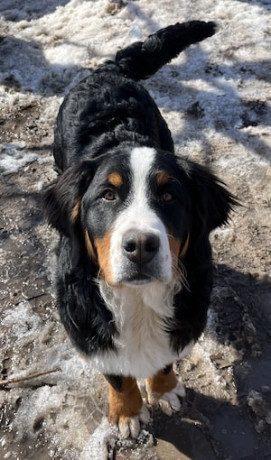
<point x="140" y="247"/>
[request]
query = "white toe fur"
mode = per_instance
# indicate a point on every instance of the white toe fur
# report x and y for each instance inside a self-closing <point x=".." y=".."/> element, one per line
<point x="124" y="428"/>
<point x="131" y="426"/>
<point x="169" y="402"/>
<point x="179" y="390"/>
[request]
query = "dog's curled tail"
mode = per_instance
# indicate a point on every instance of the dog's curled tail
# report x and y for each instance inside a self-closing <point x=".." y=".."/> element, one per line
<point x="142" y="59"/>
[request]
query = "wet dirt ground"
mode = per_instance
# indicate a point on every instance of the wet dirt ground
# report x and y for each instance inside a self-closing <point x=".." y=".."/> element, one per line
<point x="227" y="410"/>
<point x="226" y="413"/>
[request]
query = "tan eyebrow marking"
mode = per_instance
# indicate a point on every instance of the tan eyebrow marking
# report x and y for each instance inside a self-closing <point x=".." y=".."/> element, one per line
<point x="162" y="178"/>
<point x="115" y="179"/>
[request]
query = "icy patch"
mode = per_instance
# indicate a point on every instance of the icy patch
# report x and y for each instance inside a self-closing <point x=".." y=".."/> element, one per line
<point x="96" y="448"/>
<point x="67" y="408"/>
<point x="14" y="157"/>
<point x="43" y="401"/>
<point x="261" y="409"/>
<point x="21" y="320"/>
<point x="203" y="371"/>
<point x="44" y="160"/>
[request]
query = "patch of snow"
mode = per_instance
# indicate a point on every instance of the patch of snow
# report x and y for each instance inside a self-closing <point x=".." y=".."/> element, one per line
<point x="21" y="320"/>
<point x="96" y="446"/>
<point x="14" y="157"/>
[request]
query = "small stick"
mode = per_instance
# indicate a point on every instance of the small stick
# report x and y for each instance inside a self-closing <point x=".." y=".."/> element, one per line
<point x="27" y="377"/>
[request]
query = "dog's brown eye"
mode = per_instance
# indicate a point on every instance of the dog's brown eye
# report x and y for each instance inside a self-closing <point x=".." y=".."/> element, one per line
<point x="167" y="196"/>
<point x="109" y="195"/>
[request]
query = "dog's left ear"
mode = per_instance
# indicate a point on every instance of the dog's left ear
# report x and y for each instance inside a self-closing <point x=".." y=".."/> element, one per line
<point x="62" y="204"/>
<point x="212" y="201"/>
<point x="63" y="199"/>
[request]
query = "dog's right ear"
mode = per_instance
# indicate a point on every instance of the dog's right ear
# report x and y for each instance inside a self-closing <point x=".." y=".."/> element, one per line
<point x="62" y="200"/>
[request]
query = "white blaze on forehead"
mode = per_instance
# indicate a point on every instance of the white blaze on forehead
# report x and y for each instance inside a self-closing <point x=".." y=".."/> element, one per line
<point x="142" y="159"/>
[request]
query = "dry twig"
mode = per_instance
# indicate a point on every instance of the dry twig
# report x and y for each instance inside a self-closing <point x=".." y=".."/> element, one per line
<point x="34" y="375"/>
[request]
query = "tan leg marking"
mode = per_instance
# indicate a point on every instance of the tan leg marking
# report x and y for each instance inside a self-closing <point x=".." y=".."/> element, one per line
<point x="126" y="408"/>
<point x="126" y="403"/>
<point x="162" y="383"/>
<point x="164" y="390"/>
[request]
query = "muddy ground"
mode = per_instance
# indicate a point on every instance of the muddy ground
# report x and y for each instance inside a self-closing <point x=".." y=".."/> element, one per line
<point x="226" y="413"/>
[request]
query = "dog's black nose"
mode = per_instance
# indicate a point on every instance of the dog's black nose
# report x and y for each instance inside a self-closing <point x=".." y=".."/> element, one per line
<point x="140" y="247"/>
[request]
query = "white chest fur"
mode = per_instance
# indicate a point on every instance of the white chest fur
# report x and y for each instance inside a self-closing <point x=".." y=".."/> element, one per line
<point x="142" y="346"/>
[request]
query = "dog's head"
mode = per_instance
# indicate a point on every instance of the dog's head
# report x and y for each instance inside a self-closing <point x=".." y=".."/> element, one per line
<point x="133" y="211"/>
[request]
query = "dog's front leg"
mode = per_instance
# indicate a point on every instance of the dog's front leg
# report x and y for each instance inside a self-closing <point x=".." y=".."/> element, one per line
<point x="126" y="408"/>
<point x="164" y="389"/>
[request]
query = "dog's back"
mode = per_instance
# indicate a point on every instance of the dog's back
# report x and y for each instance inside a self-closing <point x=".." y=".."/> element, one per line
<point x="109" y="107"/>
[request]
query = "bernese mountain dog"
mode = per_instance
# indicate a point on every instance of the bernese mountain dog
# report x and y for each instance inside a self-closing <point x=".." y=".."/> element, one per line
<point x="134" y="272"/>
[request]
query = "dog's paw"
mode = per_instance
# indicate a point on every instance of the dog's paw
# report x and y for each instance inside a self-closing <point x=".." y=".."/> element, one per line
<point x="130" y="426"/>
<point x="168" y="402"/>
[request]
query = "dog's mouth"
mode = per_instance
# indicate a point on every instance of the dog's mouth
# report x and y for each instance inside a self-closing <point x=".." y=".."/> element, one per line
<point x="138" y="280"/>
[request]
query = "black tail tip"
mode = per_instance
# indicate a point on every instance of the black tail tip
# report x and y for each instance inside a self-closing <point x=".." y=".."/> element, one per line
<point x="203" y="29"/>
<point x="213" y="27"/>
